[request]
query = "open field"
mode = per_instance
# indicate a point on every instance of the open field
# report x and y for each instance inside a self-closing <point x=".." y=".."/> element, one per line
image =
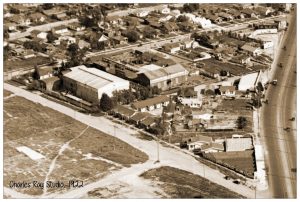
<point x="23" y="64"/>
<point x="177" y="183"/>
<point x="237" y="107"/>
<point x="76" y="152"/>
<point x="242" y="160"/>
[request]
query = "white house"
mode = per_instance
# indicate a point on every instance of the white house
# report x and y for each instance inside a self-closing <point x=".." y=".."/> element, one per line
<point x="198" y="141"/>
<point x="68" y="39"/>
<point x="103" y="38"/>
<point x="191" y="102"/>
<point x="228" y="91"/>
<point x="10" y="26"/>
<point x="42" y="35"/>
<point x="165" y="10"/>
<point x="142" y="13"/>
<point x="151" y="104"/>
<point x="212" y="147"/>
<point x="202" y="22"/>
<point x="60" y="30"/>
<point x="265" y="44"/>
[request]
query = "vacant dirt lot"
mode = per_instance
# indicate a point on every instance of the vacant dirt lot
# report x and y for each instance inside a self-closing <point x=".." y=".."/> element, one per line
<point x="243" y="161"/>
<point x="6" y="93"/>
<point x="182" y="184"/>
<point x="88" y="157"/>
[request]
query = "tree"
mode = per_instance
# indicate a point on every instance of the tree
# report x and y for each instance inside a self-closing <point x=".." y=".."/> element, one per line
<point x="47" y="6"/>
<point x="51" y="37"/>
<point x="34" y="45"/>
<point x="223" y="73"/>
<point x="260" y="87"/>
<point x="241" y="122"/>
<point x="190" y="7"/>
<point x="150" y="33"/>
<point x="132" y="36"/>
<point x="182" y="18"/>
<point x="73" y="49"/>
<point x="14" y="11"/>
<point x="6" y="52"/>
<point x="156" y="90"/>
<point x="106" y="103"/>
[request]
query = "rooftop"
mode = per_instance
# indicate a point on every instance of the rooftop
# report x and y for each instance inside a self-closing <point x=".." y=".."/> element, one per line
<point x="92" y="77"/>
<point x="150" y="102"/>
<point x="238" y="144"/>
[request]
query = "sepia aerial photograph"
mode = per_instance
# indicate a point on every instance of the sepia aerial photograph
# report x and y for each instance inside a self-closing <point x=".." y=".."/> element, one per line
<point x="149" y="100"/>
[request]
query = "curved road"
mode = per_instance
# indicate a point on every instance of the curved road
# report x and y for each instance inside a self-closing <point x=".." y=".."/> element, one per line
<point x="280" y="145"/>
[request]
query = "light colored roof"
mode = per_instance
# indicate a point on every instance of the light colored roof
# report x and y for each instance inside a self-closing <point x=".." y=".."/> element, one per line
<point x="150" y="67"/>
<point x="150" y="102"/>
<point x="173" y="69"/>
<point x="249" y="48"/>
<point x="238" y="144"/>
<point x="92" y="77"/>
<point x="248" y="81"/>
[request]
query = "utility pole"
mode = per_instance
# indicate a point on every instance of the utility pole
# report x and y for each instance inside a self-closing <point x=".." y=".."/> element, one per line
<point x="114" y="136"/>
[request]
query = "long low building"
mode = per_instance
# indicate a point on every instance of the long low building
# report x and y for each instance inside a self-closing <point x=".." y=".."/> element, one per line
<point x="90" y="83"/>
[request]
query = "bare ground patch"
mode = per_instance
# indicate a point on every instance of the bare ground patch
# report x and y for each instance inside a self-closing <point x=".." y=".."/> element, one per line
<point x="45" y="131"/>
<point x="182" y="184"/>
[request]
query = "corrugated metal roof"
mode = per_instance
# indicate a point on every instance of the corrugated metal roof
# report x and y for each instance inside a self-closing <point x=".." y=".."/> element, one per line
<point x="91" y="76"/>
<point x="173" y="69"/>
<point x="238" y="144"/>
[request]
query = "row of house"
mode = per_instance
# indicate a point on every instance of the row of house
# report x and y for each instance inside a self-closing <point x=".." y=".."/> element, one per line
<point x="139" y="119"/>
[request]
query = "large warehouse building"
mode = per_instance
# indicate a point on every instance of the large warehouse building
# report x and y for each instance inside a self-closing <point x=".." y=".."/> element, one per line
<point x="90" y="83"/>
<point x="162" y="77"/>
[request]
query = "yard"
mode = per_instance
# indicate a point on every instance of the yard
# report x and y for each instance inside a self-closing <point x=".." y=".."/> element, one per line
<point x="76" y="151"/>
<point x="177" y="183"/>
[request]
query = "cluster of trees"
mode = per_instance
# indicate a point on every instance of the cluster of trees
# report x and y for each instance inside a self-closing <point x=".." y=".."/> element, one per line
<point x="92" y="17"/>
<point x="76" y="57"/>
<point x="34" y="45"/>
<point x="182" y="18"/>
<point x="133" y="36"/>
<point x="97" y="45"/>
<point x="190" y="7"/>
<point x="51" y="37"/>
<point x="150" y="33"/>
<point x="241" y="122"/>
<point x="128" y="96"/>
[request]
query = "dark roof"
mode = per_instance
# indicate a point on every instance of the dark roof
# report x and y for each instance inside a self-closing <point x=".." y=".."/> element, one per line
<point x="198" y="138"/>
<point x="170" y="26"/>
<point x="150" y="102"/>
<point x="123" y="110"/>
<point x="140" y="116"/>
<point x="148" y="121"/>
<point x="224" y="88"/>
